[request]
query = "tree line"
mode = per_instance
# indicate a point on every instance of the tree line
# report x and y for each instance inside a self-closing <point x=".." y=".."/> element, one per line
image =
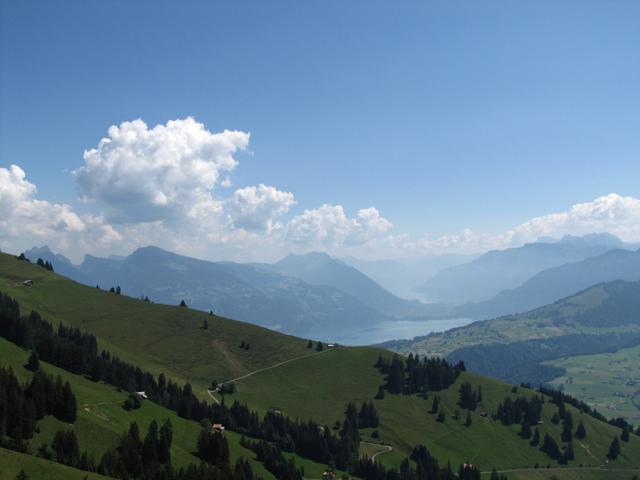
<point x="76" y="351"/>
<point x="21" y="406"/>
<point x="417" y="375"/>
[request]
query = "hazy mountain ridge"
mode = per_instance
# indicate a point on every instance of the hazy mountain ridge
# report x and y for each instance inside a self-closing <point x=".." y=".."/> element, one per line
<point x="248" y="292"/>
<point x="559" y="282"/>
<point x="500" y="270"/>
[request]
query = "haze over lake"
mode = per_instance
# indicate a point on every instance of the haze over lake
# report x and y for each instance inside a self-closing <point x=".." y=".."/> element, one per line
<point x="397" y="330"/>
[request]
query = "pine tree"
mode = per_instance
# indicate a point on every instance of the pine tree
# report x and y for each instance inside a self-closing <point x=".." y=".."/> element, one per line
<point x="319" y="346"/>
<point x="380" y="394"/>
<point x="614" y="449"/>
<point x="525" y="429"/>
<point x="535" y="441"/>
<point x="205" y="324"/>
<point x="22" y="476"/>
<point x="34" y="362"/>
<point x="567" y="427"/>
<point x="118" y="291"/>
<point x="468" y="421"/>
<point x="183" y="303"/>
<point x="309" y="344"/>
<point x="580" y="431"/>
<point x="435" y="404"/>
<point x="625" y="434"/>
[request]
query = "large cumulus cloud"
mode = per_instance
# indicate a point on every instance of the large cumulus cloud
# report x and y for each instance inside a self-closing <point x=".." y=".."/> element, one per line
<point x="142" y="174"/>
<point x="159" y="186"/>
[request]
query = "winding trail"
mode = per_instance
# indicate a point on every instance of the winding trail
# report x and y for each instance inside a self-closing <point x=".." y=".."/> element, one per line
<point x="213" y="392"/>
<point x="385" y="449"/>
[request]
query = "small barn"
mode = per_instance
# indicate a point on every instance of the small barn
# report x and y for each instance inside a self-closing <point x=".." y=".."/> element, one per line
<point x="217" y="427"/>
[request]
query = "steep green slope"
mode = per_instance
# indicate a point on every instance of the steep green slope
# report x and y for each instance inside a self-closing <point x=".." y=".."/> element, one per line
<point x="102" y="420"/>
<point x="157" y="338"/>
<point x="11" y="463"/>
<point x="308" y="385"/>
<point x="323" y="384"/>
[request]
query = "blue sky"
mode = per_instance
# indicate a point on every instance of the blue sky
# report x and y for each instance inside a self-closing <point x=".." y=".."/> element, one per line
<point x="442" y="115"/>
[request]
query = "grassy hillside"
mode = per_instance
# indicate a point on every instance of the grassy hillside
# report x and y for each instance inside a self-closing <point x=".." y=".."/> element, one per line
<point x="323" y="384"/>
<point x="310" y="385"/>
<point x="102" y="420"/>
<point x="559" y="319"/>
<point x="158" y="338"/>
<point x="11" y="463"/>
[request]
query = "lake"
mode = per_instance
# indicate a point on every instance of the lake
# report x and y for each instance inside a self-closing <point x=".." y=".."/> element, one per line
<point x="397" y="330"/>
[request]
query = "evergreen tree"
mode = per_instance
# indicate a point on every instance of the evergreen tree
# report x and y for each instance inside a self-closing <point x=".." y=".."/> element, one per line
<point x="22" y="476"/>
<point x="380" y="394"/>
<point x="205" y="324"/>
<point x="614" y="449"/>
<point x="567" y="427"/>
<point x="435" y="404"/>
<point x="468" y="421"/>
<point x="441" y="416"/>
<point x="118" y="291"/>
<point x="580" y="431"/>
<point x="319" y="346"/>
<point x="183" y="303"/>
<point x="34" y="362"/>
<point x="535" y="440"/>
<point x="625" y="434"/>
<point x="550" y="447"/>
<point x="309" y="344"/>
<point x="525" y="429"/>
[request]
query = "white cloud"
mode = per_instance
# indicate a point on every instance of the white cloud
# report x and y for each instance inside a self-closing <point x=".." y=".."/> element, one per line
<point x="613" y="213"/>
<point x="138" y="174"/>
<point x="26" y="221"/>
<point x="329" y="227"/>
<point x="257" y="208"/>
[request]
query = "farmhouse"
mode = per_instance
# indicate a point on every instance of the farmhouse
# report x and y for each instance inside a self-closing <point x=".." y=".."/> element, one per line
<point x="142" y="395"/>
<point x="27" y="283"/>
<point x="217" y="427"/>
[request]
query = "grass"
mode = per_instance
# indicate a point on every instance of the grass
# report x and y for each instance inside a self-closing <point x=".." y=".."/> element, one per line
<point x="11" y="463"/>
<point x="324" y="384"/>
<point x="157" y="338"/>
<point x="170" y="339"/>
<point x="101" y="418"/>
<point x="610" y="382"/>
<point x="571" y="474"/>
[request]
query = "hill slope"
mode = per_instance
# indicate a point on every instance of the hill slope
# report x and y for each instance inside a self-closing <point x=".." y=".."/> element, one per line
<point x="603" y="318"/>
<point x="252" y="293"/>
<point x="158" y="338"/>
<point x="309" y="385"/>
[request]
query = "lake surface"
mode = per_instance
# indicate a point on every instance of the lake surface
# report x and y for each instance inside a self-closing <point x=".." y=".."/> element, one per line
<point x="398" y="330"/>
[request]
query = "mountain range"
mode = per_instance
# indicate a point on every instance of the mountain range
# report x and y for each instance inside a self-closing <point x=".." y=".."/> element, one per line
<point x="559" y="282"/>
<point x="309" y="295"/>
<point x="500" y="270"/>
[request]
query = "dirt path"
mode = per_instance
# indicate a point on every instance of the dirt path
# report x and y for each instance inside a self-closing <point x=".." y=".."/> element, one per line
<point x="385" y="449"/>
<point x="213" y="392"/>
